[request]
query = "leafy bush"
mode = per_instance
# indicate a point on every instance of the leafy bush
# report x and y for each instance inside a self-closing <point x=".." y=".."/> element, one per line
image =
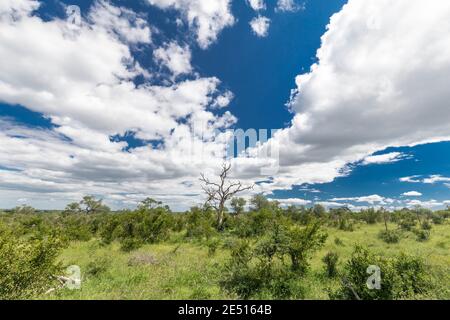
<point x="402" y="277"/>
<point x="422" y="235"/>
<point x="200" y="224"/>
<point x="389" y="236"/>
<point x="130" y="244"/>
<point x="213" y="245"/>
<point x="338" y="241"/>
<point x="260" y="272"/>
<point x="301" y="243"/>
<point x="250" y="274"/>
<point x="98" y="266"/>
<point x="137" y="227"/>
<point x="27" y="267"/>
<point x="407" y="223"/>
<point x="426" y="225"/>
<point x="331" y="260"/>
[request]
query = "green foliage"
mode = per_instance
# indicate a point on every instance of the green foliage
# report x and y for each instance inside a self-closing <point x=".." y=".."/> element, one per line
<point x="250" y="273"/>
<point x="200" y="223"/>
<point x="426" y="225"/>
<point x="134" y="228"/>
<point x="213" y="245"/>
<point x="338" y="242"/>
<point x="389" y="236"/>
<point x="27" y="267"/>
<point x="98" y="266"/>
<point x="302" y="242"/>
<point x="130" y="244"/>
<point x="331" y="260"/>
<point x="26" y="210"/>
<point x="259" y="271"/>
<point x="238" y="205"/>
<point x="422" y="235"/>
<point x="402" y="277"/>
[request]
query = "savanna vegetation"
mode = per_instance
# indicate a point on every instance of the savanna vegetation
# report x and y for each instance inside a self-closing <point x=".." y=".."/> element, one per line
<point x="262" y="252"/>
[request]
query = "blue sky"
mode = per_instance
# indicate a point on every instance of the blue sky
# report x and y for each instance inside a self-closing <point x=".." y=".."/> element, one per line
<point x="108" y="108"/>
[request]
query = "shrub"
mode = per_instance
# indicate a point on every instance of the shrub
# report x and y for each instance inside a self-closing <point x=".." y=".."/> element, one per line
<point x="301" y="243"/>
<point x="200" y="223"/>
<point x="331" y="260"/>
<point x="426" y="225"/>
<point x="389" y="236"/>
<point x="338" y="241"/>
<point x="213" y="245"/>
<point x="407" y="223"/>
<point x="251" y="275"/>
<point x="27" y="268"/>
<point x="130" y="244"/>
<point x="98" y="266"/>
<point x="422" y="235"/>
<point x="260" y="272"/>
<point x="402" y="277"/>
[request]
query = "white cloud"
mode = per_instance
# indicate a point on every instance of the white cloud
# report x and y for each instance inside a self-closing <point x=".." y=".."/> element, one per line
<point x="425" y="204"/>
<point x="257" y="5"/>
<point x="432" y="179"/>
<point x="84" y="84"/>
<point x="435" y="178"/>
<point x="207" y="17"/>
<point x="176" y="58"/>
<point x="384" y="158"/>
<point x="260" y="26"/>
<point x="412" y="194"/>
<point x="124" y="22"/>
<point x="410" y="179"/>
<point x="289" y="6"/>
<point x="369" y="199"/>
<point x="291" y="202"/>
<point x="362" y="97"/>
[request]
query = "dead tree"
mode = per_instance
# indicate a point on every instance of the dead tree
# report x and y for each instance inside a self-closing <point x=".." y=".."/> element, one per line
<point x="219" y="193"/>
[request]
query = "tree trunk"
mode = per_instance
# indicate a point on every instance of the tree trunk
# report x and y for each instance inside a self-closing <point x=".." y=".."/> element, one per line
<point x="220" y="214"/>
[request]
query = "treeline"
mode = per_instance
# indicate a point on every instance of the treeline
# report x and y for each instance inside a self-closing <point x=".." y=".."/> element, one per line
<point x="270" y="246"/>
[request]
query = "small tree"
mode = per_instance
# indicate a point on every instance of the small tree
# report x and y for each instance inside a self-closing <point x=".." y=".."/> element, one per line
<point x="219" y="193"/>
<point x="238" y="205"/>
<point x="91" y="205"/>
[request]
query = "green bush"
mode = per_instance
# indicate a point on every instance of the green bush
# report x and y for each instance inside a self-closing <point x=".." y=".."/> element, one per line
<point x="426" y="225"/>
<point x="98" y="266"/>
<point x="212" y="245"/>
<point x="389" y="236"/>
<point x="331" y="260"/>
<point x="402" y="277"/>
<point x="27" y="267"/>
<point x="338" y="242"/>
<point x="130" y="244"/>
<point x="200" y="224"/>
<point x="422" y="235"/>
<point x="251" y="274"/>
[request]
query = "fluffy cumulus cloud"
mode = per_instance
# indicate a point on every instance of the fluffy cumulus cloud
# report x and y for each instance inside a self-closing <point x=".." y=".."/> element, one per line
<point x="206" y="17"/>
<point x="289" y="6"/>
<point x="175" y="57"/>
<point x="384" y="158"/>
<point x="292" y="202"/>
<point x="381" y="80"/>
<point x="257" y="4"/>
<point x="84" y="84"/>
<point x="126" y="23"/>
<point x="260" y="26"/>
<point x="373" y="199"/>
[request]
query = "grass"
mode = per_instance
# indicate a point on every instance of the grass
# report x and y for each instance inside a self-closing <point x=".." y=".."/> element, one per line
<point x="184" y="270"/>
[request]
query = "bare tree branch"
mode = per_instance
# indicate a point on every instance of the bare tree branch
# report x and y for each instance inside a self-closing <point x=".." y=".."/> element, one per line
<point x="218" y="194"/>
